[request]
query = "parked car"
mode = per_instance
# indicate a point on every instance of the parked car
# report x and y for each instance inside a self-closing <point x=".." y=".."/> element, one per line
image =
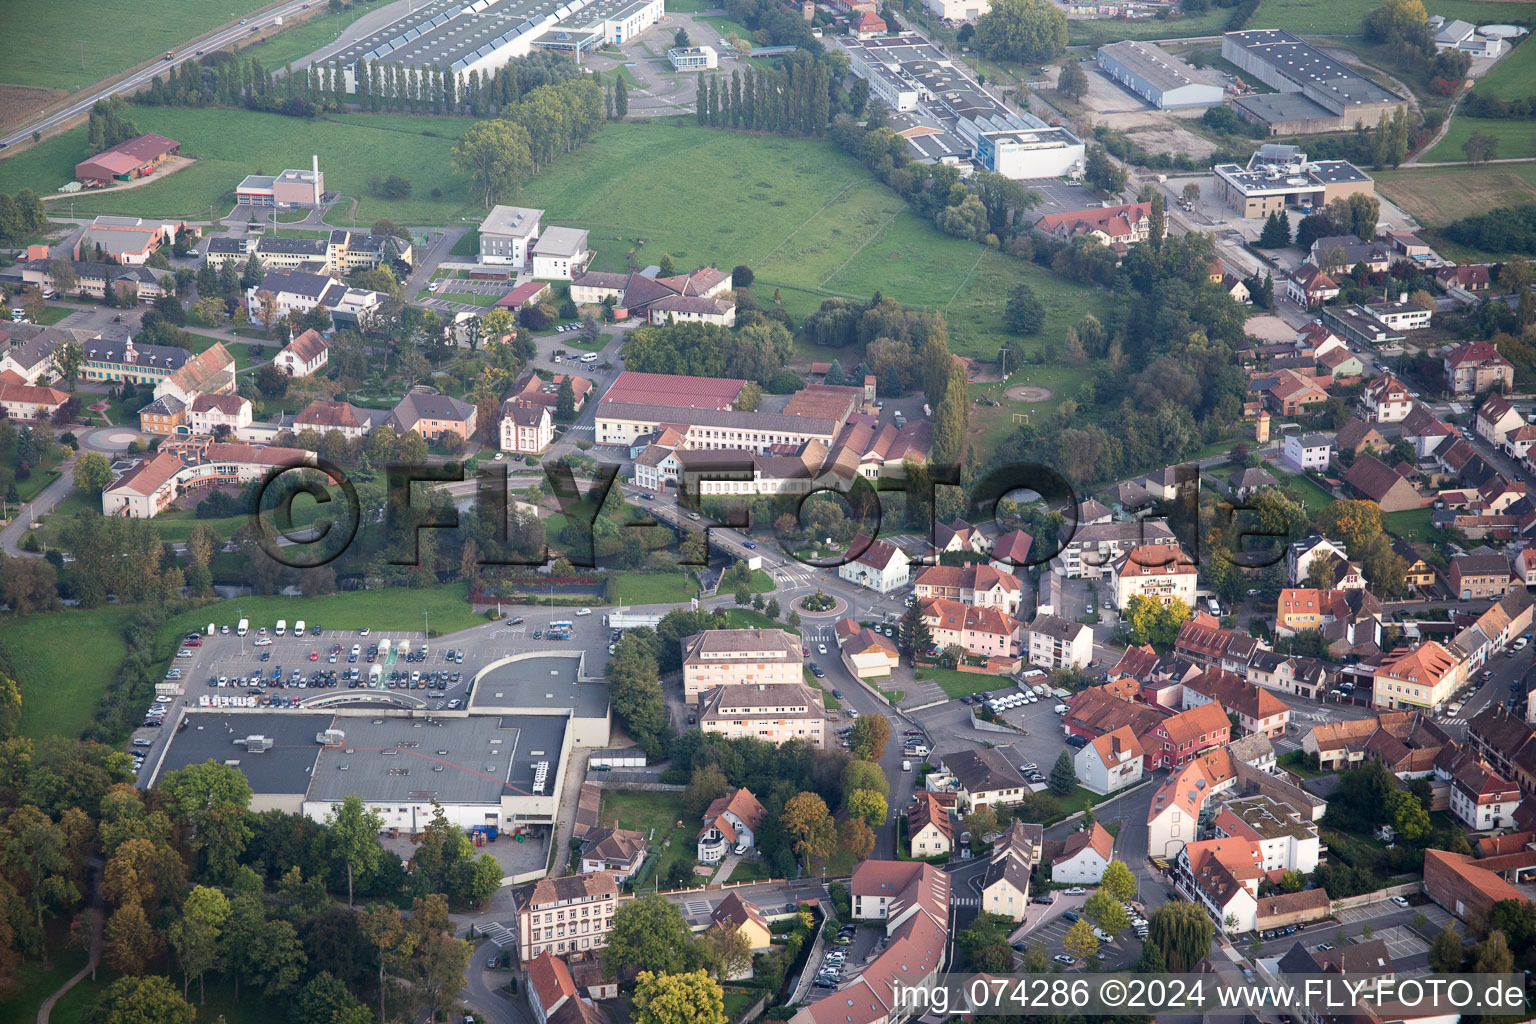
<point x="1062" y="958"/>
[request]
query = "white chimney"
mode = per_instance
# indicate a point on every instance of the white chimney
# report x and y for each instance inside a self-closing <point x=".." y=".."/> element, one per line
<point x="316" y="158"/>
<point x="1402" y="297"/>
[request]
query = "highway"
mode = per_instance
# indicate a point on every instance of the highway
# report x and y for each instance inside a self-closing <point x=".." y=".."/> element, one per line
<point x="209" y="43"/>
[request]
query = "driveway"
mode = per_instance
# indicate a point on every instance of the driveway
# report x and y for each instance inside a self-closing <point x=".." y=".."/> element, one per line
<point x="47" y="498"/>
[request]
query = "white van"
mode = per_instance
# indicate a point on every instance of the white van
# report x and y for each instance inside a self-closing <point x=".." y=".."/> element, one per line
<point x="282" y="627"/>
<point x="906" y="766"/>
<point x="298" y="628"/>
<point x="243" y="628"/>
<point x="589" y="357"/>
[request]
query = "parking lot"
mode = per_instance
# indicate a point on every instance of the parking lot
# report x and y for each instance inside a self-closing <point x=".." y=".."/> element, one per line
<point x="1057" y="196"/>
<point x="1048" y="924"/>
<point x="237" y="659"/>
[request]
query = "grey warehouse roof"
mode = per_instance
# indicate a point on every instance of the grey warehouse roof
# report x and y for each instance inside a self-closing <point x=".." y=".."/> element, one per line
<point x="1305" y="64"/>
<point x="284" y="769"/>
<point x="1154" y="65"/>
<point x="549" y="681"/>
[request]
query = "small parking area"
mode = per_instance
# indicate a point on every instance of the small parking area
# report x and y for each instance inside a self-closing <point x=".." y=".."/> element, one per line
<point x="1383" y="908"/>
<point x="1057" y="196"/>
<point x="1402" y="942"/>
<point x="1041" y="740"/>
<point x="867" y="943"/>
<point x="1048" y="924"/>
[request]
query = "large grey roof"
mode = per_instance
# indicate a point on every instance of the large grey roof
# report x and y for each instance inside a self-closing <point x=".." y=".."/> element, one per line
<point x="1306" y="65"/>
<point x="284" y="769"/>
<point x="1154" y="65"/>
<point x="551" y="682"/>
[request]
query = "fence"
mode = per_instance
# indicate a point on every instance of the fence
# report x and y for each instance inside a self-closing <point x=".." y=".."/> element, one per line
<point x="1364" y="899"/>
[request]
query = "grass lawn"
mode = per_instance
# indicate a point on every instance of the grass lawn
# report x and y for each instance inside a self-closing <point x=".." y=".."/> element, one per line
<point x="230" y="144"/>
<point x="1304" y="17"/>
<point x="41" y="38"/>
<point x="467" y="245"/>
<point x="1513" y="77"/>
<point x="828" y="701"/>
<point x="746" y="618"/>
<point x="221" y="1005"/>
<point x="52" y="526"/>
<point x="1438" y="195"/>
<point x="62" y="675"/>
<point x="748" y="871"/>
<point x="305" y="37"/>
<point x="761" y="583"/>
<point x="29" y="488"/>
<point x="34" y="983"/>
<point x="806" y="217"/>
<point x="1303" y="489"/>
<point x="738" y="1000"/>
<point x="394" y="610"/>
<point x="52" y="315"/>
<point x="961" y="684"/>
<point x="1516" y="138"/>
<point x="1412" y="525"/>
<point x="653" y="588"/>
<point x="658" y="816"/>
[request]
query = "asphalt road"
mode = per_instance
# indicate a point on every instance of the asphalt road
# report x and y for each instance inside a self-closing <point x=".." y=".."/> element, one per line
<point x="222" y="37"/>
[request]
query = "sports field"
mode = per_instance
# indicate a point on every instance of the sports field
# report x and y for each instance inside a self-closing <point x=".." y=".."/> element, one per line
<point x="229" y="144"/>
<point x="44" y="38"/>
<point x="1438" y="195"/>
<point x="807" y="218"/>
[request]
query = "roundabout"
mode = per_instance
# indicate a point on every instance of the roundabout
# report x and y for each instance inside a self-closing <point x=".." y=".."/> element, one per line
<point x="837" y="607"/>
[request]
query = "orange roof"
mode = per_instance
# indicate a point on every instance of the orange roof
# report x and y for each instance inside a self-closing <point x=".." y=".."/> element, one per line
<point x="1094" y="837"/>
<point x="550" y="979"/>
<point x="1426" y="664"/>
<point x="930" y="809"/>
<point x="1188" y="788"/>
<point x="1188" y="726"/>
<point x="1118" y="746"/>
<point x="968" y="577"/>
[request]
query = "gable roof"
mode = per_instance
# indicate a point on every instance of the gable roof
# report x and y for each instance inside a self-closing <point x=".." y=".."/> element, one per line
<point x="739" y="802"/>
<point x="1374" y="478"/>
<point x="1095" y="837"/>
<point x="1207" y="721"/>
<point x="307" y="347"/>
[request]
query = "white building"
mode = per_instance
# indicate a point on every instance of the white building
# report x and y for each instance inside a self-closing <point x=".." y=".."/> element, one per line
<point x="881" y="567"/>
<point x="1286" y="840"/>
<point x="560" y="254"/>
<point x="207" y="413"/>
<point x="1157" y="572"/>
<point x="958" y="10"/>
<point x="1057" y="643"/>
<point x="1482" y="799"/>
<point x="1111" y="762"/>
<point x="1158" y="77"/>
<point x="527" y="428"/>
<point x="507" y="234"/>
<point x="693" y="58"/>
<point x="1084" y="856"/>
<point x="730" y="825"/>
<point x="304" y="355"/>
<point x="1303" y="452"/>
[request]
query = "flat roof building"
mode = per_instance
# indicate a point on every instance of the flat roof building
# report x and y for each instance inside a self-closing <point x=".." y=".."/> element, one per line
<point x="283" y="191"/>
<point x="1158" y="77"/>
<point x="545" y="684"/>
<point x="1281" y="176"/>
<point x="693" y="58"/>
<point x="1315" y="92"/>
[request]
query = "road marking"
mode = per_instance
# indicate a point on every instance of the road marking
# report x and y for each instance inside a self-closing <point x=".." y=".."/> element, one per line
<point x="499" y="934"/>
<point x="697" y="908"/>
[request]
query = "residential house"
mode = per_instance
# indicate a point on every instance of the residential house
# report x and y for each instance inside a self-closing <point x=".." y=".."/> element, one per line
<point x="1250" y="481"/>
<point x="1481" y="798"/>
<point x="867" y="25"/>
<point x="1476" y="366"/>
<point x="880" y="567"/>
<point x="1340" y="363"/>
<point x="560" y="254"/>
<point x="1222" y="876"/>
<point x="1479" y="576"/>
<point x="1254" y="749"/>
<point x="1103" y="709"/>
<point x="1348" y="250"/>
<point x="1386" y="400"/>
<point x="29" y="354"/>
<point x="1157" y="572"/>
<point x="1363" y="965"/>
<point x="1287" y="839"/>
<point x="30" y="402"/>
<point x="1392" y="736"/>
<point x="1110" y="762"/>
<point x="635" y="294"/>
<point x="323" y="416"/>
<point x="746" y="917"/>
<point x="979" y="777"/>
<point x="1419" y="573"/>
<point x="1303" y="677"/>
<point x="771" y="712"/>
<point x="1420" y="676"/>
<point x="1116" y="227"/>
<point x="1398" y="314"/>
<point x="1235" y="287"/>
<point x="1178" y="738"/>
<point x="960" y="536"/>
<point x="535" y="390"/>
<point x="1202" y="641"/>
<point x="984" y="631"/>
<point x="868" y="654"/>
<point x="1054" y="642"/>
<point x="1496" y="418"/>
<point x="304" y="355"/>
<point x="165" y="415"/>
<point x="550" y="985"/>
<point x="739" y="657"/>
<point x="1092" y="550"/>
<point x="930" y="826"/>
<point x="219" y="414"/>
<point x="1302" y="560"/>
<point x="1376" y="481"/>
<point x="302" y="291"/>
<point x="1174" y="816"/>
<point x="1310" y="287"/>
<point x="1130" y="497"/>
<point x="730" y="825"/>
<point x="1289" y="393"/>
<point x="433" y="416"/>
<point x="619" y="851"/>
<point x="1468" y="278"/>
<point x="1011" y="550"/>
<point x="565" y="915"/>
<point x="1258" y="710"/>
<point x="1084" y="856"/>
<point x="1307" y="452"/>
<point x="1358" y="436"/>
<point x="977" y="585"/>
<point x="526" y="428"/>
<point x="1005" y="885"/>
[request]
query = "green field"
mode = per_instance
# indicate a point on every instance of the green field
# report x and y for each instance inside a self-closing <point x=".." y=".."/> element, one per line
<point x="229" y="144"/>
<point x="806" y="217"/>
<point x="1514" y="76"/>
<point x="395" y="610"/>
<point x="653" y="588"/>
<point x="64" y="661"/>
<point x="958" y="684"/>
<point x="1438" y="195"/>
<point x="1412" y="525"/>
<point x="305" y="37"/>
<point x="1517" y="139"/>
<point x="657" y="815"/>
<point x="43" y="40"/>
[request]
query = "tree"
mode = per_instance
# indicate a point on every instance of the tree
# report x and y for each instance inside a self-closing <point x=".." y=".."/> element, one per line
<point x="131" y="943"/>
<point x="195" y="935"/>
<point x="1517" y="275"/>
<point x="855" y="838"/>
<point x="1492" y="955"/>
<point x="1407" y="815"/>
<point x="667" y="269"/>
<point x="1118" y="881"/>
<point x="680" y="39"/>
<point x="1073" y="81"/>
<point x="864" y="775"/>
<point x="1446" y="953"/>
<point x="621" y="100"/>
<point x="1026" y="31"/>
<point x="806" y="820"/>
<point x="707" y="785"/>
<point x="869" y="737"/>
<point x="1183" y="932"/>
<point x="1103" y="173"/>
<point x="1277" y="231"/>
<point x="354" y="834"/>
<point x="1080" y="941"/>
<point x="1063" y="778"/>
<point x="92" y="472"/>
<point x="648" y="934"/>
<point x="692" y="998"/>
<point x="913" y="633"/>
<point x="1025" y="313"/>
<point x="742" y="276"/>
<point x="151" y="1000"/>
<point x="726" y="952"/>
<point x="868" y="805"/>
<point x="1192" y="193"/>
<point x="1480" y="146"/>
<point x="496" y="155"/>
<point x="1105" y="911"/>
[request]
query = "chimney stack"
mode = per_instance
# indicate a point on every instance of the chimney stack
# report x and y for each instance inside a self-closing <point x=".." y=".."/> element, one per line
<point x="1402" y="296"/>
<point x="316" y="165"/>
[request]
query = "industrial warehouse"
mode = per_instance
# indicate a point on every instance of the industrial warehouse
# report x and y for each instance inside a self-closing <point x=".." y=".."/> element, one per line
<point x="482" y="36"/>
<point x="1278" y="176"/>
<point x="1158" y="77"/>
<point x="1315" y="93"/>
<point x="947" y="118"/>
